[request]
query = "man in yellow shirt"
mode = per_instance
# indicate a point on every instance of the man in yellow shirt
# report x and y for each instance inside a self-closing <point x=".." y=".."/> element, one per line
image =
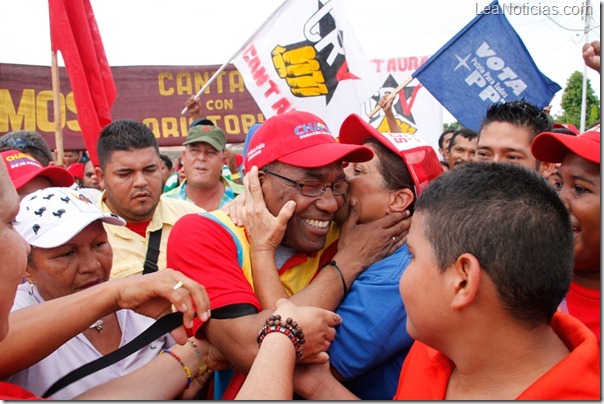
<point x="130" y="167"/>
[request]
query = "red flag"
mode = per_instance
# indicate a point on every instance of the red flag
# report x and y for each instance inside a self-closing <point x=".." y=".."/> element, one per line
<point x="74" y="32"/>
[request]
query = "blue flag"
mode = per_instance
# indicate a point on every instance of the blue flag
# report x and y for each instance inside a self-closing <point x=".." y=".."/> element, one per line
<point x="486" y="62"/>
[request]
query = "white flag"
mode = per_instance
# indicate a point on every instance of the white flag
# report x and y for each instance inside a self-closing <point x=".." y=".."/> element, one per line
<point x="416" y="111"/>
<point x="307" y="58"/>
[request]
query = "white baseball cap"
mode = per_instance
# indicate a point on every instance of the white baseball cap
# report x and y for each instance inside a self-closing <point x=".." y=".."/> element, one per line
<point x="52" y="216"/>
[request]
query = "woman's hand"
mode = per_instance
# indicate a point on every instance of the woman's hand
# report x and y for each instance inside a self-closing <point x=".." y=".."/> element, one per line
<point x="153" y="295"/>
<point x="366" y="243"/>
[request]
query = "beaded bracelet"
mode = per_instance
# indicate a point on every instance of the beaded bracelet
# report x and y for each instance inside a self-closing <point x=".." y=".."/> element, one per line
<point x="289" y="328"/>
<point x="333" y="264"/>
<point x="203" y="367"/>
<point x="185" y="367"/>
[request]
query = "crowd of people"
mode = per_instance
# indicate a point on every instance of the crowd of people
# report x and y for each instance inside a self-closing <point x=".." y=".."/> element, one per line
<point x="366" y="267"/>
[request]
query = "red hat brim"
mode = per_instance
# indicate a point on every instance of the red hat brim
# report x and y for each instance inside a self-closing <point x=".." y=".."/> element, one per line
<point x="58" y="177"/>
<point x="552" y="147"/>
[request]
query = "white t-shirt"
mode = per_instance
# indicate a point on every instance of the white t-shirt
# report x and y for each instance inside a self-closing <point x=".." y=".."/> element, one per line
<point x="78" y="351"/>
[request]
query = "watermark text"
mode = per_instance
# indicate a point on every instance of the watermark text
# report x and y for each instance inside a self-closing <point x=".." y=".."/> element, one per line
<point x="516" y="8"/>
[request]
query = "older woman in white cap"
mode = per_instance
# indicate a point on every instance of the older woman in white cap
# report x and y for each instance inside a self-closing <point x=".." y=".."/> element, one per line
<point x="70" y="253"/>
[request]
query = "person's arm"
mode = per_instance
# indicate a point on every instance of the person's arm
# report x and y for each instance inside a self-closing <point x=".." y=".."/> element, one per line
<point x="271" y="378"/>
<point x="37" y="331"/>
<point x="231" y="162"/>
<point x="164" y="378"/>
<point x="316" y="382"/>
<point x="271" y="375"/>
<point x="386" y="104"/>
<point x="233" y="338"/>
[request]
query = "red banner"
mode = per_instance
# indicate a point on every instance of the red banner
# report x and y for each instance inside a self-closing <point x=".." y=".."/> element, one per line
<point x="74" y="33"/>
<point x="154" y="95"/>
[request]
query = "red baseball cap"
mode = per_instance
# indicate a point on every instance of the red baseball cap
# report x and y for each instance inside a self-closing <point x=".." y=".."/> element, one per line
<point x="552" y="147"/>
<point x="418" y="156"/>
<point x="299" y="139"/>
<point x="77" y="170"/>
<point x="22" y="168"/>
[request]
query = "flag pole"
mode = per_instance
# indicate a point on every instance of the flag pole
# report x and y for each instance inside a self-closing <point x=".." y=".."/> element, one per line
<point x="207" y="84"/>
<point x="56" y="98"/>
<point x="584" y="87"/>
<point x="391" y="95"/>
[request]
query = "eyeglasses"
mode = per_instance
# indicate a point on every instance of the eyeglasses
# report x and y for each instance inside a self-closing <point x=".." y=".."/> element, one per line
<point x="315" y="188"/>
<point x="21" y="144"/>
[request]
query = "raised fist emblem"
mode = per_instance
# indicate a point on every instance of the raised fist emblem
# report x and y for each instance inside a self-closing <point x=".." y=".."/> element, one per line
<point x="300" y="69"/>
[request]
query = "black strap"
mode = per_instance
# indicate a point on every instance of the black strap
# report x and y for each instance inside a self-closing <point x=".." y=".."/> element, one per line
<point x="152" y="252"/>
<point x="162" y="326"/>
<point x="234" y="311"/>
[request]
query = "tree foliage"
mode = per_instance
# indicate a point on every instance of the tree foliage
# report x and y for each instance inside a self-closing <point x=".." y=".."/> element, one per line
<point x="571" y="102"/>
<point x="451" y="126"/>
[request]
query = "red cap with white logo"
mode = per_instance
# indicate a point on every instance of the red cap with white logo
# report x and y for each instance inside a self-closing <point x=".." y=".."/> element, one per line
<point x="300" y="139"/>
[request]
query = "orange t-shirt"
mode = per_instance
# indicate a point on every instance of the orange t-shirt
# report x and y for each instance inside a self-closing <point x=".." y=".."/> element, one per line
<point x="426" y="372"/>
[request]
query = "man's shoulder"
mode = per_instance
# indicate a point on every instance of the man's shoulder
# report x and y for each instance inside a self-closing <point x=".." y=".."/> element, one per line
<point x="177" y="192"/>
<point x="178" y="206"/>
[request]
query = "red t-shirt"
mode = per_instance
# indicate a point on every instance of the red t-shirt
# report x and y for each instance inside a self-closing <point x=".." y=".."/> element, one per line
<point x="139" y="228"/>
<point x="584" y="304"/>
<point x="426" y="372"/>
<point x="204" y="251"/>
<point x="13" y="392"/>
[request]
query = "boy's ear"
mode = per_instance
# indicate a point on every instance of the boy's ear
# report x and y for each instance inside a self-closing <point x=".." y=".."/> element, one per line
<point x="400" y="200"/>
<point x="466" y="279"/>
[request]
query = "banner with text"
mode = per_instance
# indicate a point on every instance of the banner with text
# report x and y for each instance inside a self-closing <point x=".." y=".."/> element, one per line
<point x="155" y="95"/>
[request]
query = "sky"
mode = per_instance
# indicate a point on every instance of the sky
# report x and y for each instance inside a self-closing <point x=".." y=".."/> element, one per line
<point x="203" y="32"/>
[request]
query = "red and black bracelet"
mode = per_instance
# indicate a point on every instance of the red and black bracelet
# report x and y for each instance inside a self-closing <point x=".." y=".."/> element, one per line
<point x="289" y="328"/>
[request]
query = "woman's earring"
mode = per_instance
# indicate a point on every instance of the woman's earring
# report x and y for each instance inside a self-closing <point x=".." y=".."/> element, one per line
<point x="31" y="288"/>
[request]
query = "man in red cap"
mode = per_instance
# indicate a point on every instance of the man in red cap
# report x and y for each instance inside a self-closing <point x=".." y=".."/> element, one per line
<point x="28" y="175"/>
<point x="301" y="170"/>
<point x="578" y="184"/>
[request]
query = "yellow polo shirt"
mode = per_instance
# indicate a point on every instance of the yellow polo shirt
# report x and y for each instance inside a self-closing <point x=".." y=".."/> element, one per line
<point x="130" y="249"/>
